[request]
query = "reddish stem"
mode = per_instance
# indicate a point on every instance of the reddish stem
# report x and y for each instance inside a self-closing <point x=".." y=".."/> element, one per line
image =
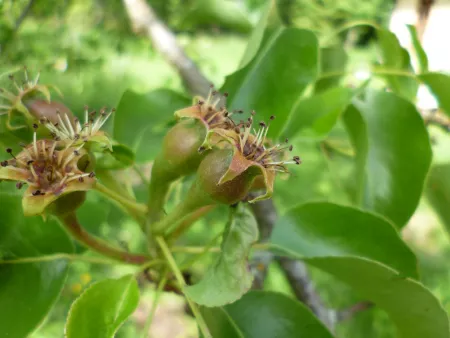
<point x="72" y="225"/>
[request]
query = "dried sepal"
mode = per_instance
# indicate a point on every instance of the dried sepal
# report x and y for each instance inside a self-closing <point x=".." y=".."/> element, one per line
<point x="14" y="101"/>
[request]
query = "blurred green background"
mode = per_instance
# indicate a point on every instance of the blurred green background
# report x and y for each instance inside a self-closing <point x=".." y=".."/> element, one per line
<point x="88" y="49"/>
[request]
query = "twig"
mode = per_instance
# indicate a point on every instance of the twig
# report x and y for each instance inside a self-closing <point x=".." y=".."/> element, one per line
<point x="144" y="19"/>
<point x="23" y="15"/>
<point x="266" y="216"/>
<point x="303" y="287"/>
<point x="353" y="310"/>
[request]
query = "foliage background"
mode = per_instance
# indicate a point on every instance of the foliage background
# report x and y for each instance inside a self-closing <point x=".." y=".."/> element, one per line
<point x="89" y="51"/>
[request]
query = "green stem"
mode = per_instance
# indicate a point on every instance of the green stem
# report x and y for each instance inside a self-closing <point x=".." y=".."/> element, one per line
<point x="148" y="322"/>
<point x="180" y="214"/>
<point x="137" y="210"/>
<point x="200" y="249"/>
<point x="179" y="277"/>
<point x="69" y="257"/>
<point x="71" y="224"/>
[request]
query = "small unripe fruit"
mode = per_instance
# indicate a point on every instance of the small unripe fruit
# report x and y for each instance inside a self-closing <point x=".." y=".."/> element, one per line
<point x="48" y="110"/>
<point x="180" y="151"/>
<point x="67" y="204"/>
<point x="213" y="168"/>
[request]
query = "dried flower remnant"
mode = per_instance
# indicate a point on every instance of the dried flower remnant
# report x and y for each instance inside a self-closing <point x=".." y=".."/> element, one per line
<point x="76" y="132"/>
<point x="16" y="98"/>
<point x="209" y="112"/>
<point x="252" y="151"/>
<point x="49" y="172"/>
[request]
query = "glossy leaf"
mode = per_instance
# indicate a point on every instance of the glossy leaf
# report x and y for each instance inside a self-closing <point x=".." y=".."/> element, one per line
<point x="327" y="229"/>
<point x="262" y="314"/>
<point x="229" y="277"/>
<point x="438" y="84"/>
<point x="102" y="309"/>
<point x="438" y="192"/>
<point x="420" y="53"/>
<point x="318" y="113"/>
<point x="273" y="81"/>
<point x="395" y="57"/>
<point x="269" y="25"/>
<point x="393" y="154"/>
<point x="364" y="251"/>
<point x="413" y="308"/>
<point x="28" y="290"/>
<point x="332" y="60"/>
<point x="142" y="119"/>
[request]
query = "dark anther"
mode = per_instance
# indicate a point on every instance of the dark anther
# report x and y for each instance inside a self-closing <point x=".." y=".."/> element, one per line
<point x="9" y="151"/>
<point x="286" y="140"/>
<point x="92" y="175"/>
<point x="56" y="124"/>
<point x="19" y="185"/>
<point x="200" y="102"/>
<point x="11" y="77"/>
<point x="272" y="117"/>
<point x="240" y="111"/>
<point x="35" y="126"/>
<point x="76" y="152"/>
<point x="80" y="179"/>
<point x="23" y="145"/>
<point x="57" y="138"/>
<point x="75" y="120"/>
<point x="4" y="163"/>
<point x="262" y="124"/>
<point x="253" y="112"/>
<point x="113" y="110"/>
<point x="30" y="162"/>
<point x="37" y="193"/>
<point x="214" y="92"/>
<point x="211" y="86"/>
<point x="201" y="149"/>
<point x="291" y="147"/>
<point x="225" y="94"/>
<point x="297" y="160"/>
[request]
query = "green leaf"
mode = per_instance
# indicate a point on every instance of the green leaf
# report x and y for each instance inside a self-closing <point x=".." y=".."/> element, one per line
<point x="229" y="277"/>
<point x="327" y="229"/>
<point x="318" y="113"/>
<point x="364" y="251"/>
<point x="141" y="120"/>
<point x="393" y="154"/>
<point x="28" y="290"/>
<point x="222" y="13"/>
<point x="396" y="58"/>
<point x="332" y="59"/>
<point x="102" y="308"/>
<point x="438" y="192"/>
<point x="262" y="314"/>
<point x="274" y="80"/>
<point x="438" y="84"/>
<point x="413" y="309"/>
<point x="420" y="53"/>
<point x="121" y="157"/>
<point x="268" y="25"/>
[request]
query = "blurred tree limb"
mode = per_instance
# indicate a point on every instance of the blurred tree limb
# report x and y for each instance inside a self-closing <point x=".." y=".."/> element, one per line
<point x="144" y="20"/>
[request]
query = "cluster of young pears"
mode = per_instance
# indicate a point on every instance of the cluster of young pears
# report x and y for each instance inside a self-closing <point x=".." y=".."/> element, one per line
<point x="230" y="158"/>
